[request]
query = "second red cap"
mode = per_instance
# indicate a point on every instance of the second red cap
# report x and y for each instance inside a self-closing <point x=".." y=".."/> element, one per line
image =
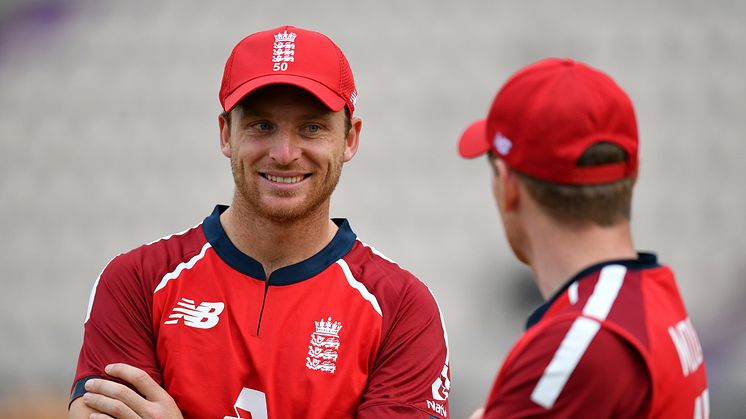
<point x="545" y="117"/>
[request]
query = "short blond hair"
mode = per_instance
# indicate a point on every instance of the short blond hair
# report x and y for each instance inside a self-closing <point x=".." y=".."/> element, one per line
<point x="605" y="205"/>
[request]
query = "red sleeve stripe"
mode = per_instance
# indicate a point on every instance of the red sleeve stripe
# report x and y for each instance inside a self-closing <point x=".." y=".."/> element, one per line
<point x="579" y="337"/>
<point x="181" y="267"/>
<point x="354" y="283"/>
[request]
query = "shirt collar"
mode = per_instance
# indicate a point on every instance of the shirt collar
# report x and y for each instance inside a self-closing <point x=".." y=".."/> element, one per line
<point x="339" y="246"/>
<point x="644" y="261"/>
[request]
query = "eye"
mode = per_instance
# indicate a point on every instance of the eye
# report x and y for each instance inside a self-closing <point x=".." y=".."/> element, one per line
<point x="262" y="126"/>
<point x="312" y="128"/>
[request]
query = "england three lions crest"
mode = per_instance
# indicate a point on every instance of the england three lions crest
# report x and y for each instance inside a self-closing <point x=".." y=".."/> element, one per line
<point x="283" y="50"/>
<point x="323" y="346"/>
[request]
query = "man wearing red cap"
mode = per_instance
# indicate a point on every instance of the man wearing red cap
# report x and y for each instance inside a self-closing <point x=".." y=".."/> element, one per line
<point x="268" y="309"/>
<point x="613" y="338"/>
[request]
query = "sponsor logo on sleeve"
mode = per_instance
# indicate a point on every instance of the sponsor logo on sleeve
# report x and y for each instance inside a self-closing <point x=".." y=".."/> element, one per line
<point x="440" y="389"/>
<point x="438" y="408"/>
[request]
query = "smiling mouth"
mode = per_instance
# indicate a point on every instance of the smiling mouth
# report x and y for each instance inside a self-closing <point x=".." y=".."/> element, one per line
<point x="281" y="179"/>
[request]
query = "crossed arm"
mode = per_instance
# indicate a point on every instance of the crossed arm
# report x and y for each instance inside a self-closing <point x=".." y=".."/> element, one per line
<point x="108" y="399"/>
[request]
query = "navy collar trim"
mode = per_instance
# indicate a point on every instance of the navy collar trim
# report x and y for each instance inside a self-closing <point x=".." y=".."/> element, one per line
<point x="644" y="261"/>
<point x="340" y="245"/>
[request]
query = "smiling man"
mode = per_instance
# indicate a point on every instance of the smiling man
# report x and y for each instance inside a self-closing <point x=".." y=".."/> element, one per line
<point x="268" y="308"/>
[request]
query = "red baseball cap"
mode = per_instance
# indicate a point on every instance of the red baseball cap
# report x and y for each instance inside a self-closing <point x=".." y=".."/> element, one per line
<point x="547" y="114"/>
<point x="289" y="55"/>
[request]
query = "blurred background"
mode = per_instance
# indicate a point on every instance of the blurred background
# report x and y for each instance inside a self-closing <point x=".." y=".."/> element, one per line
<point x="109" y="139"/>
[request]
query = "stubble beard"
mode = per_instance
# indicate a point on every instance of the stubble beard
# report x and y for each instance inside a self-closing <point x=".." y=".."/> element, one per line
<point x="250" y="197"/>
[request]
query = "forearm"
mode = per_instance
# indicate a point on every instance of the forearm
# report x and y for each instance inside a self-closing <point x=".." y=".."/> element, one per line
<point x="79" y="410"/>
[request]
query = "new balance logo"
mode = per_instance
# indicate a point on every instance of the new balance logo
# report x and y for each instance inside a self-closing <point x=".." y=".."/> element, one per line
<point x="203" y="316"/>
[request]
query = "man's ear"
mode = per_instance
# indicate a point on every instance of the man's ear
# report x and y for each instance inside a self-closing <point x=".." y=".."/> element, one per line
<point x="509" y="185"/>
<point x="352" y="140"/>
<point x="225" y="135"/>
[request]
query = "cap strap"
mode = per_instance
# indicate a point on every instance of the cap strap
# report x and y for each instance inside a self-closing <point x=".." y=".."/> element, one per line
<point x="607" y="173"/>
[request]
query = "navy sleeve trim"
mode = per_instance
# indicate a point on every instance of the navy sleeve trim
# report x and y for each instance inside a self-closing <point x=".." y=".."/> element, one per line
<point x="79" y="388"/>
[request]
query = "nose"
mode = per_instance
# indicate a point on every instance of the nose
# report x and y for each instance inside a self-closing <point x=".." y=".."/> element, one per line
<point x="284" y="149"/>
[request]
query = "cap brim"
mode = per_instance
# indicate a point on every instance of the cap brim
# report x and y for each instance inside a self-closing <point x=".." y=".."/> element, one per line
<point x="323" y="93"/>
<point x="473" y="141"/>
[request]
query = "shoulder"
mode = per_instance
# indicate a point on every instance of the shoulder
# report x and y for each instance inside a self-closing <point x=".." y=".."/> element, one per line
<point x="615" y="296"/>
<point x="582" y="347"/>
<point x="413" y="357"/>
<point x="384" y="277"/>
<point x="572" y="364"/>
<point x="147" y="263"/>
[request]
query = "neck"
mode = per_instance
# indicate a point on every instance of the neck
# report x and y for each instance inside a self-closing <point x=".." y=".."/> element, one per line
<point x="277" y="243"/>
<point x="557" y="252"/>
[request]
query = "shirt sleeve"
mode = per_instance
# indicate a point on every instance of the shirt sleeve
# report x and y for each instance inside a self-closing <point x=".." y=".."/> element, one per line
<point x="410" y="377"/>
<point x="609" y="380"/>
<point x="118" y="325"/>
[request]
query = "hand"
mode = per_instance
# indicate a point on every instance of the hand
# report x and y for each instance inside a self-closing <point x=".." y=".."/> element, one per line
<point x="114" y="400"/>
<point x="477" y="414"/>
